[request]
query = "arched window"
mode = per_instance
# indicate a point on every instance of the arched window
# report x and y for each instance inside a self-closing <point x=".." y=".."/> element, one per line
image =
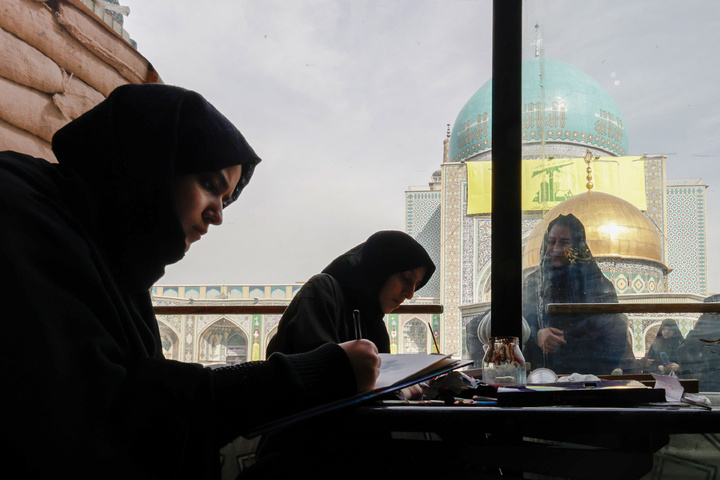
<point x="415" y="334"/>
<point x="169" y="342"/>
<point x="222" y="342"/>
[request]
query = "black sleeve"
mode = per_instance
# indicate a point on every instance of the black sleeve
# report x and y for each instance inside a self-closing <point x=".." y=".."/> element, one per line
<point x="251" y="394"/>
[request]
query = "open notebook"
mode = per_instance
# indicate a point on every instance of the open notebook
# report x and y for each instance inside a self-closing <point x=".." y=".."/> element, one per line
<point x="396" y="372"/>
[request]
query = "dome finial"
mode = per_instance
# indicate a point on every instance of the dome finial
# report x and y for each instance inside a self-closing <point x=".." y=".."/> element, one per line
<point x="538" y="41"/>
<point x="588" y="159"/>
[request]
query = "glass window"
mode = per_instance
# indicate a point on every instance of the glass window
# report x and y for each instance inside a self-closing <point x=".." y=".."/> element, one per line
<point x="616" y="108"/>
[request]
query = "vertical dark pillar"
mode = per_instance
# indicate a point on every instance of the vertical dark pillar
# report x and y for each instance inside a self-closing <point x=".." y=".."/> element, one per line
<point x="506" y="239"/>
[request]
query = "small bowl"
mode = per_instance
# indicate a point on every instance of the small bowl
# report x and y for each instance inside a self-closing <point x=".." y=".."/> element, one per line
<point x="542" y="375"/>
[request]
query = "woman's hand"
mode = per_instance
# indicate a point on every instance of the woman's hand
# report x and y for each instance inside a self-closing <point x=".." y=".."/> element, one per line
<point x="365" y="361"/>
<point x="672" y="366"/>
<point x="550" y="339"/>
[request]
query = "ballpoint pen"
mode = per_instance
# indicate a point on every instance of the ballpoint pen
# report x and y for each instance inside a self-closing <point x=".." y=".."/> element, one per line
<point x="356" y="320"/>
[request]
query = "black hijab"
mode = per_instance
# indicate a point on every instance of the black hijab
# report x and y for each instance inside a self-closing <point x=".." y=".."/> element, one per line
<point x="128" y="150"/>
<point x="363" y="270"/>
<point x="581" y="281"/>
<point x="668" y="345"/>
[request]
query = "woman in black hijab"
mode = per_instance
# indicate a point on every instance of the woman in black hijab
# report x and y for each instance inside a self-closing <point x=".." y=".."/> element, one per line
<point x="374" y="278"/>
<point x="665" y="352"/>
<point x="140" y="177"/>
<point x="568" y="273"/>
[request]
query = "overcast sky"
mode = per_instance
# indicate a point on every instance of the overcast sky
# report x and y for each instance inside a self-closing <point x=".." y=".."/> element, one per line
<point x="348" y="102"/>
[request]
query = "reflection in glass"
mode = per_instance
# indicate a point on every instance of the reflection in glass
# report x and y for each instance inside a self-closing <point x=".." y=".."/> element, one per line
<point x="568" y="273"/>
<point x="664" y="354"/>
<point x="701" y="352"/>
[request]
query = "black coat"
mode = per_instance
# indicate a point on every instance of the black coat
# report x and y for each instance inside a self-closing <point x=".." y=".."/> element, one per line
<point x="322" y="311"/>
<point x="88" y="393"/>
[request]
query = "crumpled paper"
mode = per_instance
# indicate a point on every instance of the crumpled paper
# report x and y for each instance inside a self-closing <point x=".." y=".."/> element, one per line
<point x="578" y="377"/>
<point x="674" y="391"/>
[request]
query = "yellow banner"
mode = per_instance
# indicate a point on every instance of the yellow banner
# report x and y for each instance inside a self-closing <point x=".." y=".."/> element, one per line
<point x="546" y="183"/>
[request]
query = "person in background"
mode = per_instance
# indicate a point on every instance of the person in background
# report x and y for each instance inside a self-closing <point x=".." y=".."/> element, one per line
<point x="373" y="278"/>
<point x="700" y="350"/>
<point x="140" y="178"/>
<point x="568" y="273"/>
<point x="664" y="353"/>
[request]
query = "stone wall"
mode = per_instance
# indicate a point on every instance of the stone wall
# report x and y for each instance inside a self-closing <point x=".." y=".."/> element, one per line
<point x="58" y="59"/>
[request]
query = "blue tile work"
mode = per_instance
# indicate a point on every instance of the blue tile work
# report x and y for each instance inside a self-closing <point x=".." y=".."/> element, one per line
<point x="633" y="276"/>
<point x="687" y="243"/>
<point x="422" y="222"/>
<point x="277" y="292"/>
<point x="655" y="193"/>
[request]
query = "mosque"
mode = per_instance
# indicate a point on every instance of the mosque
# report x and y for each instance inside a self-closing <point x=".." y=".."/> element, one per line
<point x="648" y="233"/>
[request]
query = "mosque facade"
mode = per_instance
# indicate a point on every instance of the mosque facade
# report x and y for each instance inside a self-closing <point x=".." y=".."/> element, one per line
<point x="216" y="339"/>
<point x="657" y="226"/>
<point x="570" y="125"/>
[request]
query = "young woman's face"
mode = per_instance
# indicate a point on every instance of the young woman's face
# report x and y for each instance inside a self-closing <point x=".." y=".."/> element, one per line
<point x="400" y="287"/>
<point x="199" y="200"/>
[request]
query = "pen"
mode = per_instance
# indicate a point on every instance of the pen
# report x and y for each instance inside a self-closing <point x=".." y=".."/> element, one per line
<point x="356" y="319"/>
<point x="437" y="348"/>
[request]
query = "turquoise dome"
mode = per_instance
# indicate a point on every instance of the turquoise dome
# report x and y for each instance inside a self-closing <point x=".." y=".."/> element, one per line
<point x="577" y="111"/>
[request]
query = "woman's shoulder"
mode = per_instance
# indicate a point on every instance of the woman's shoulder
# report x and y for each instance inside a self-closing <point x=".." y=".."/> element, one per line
<point x="319" y="286"/>
<point x="322" y="279"/>
<point x="323" y="282"/>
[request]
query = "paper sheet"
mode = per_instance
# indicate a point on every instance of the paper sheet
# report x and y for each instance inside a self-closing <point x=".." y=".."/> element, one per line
<point x="399" y="367"/>
<point x="673" y="389"/>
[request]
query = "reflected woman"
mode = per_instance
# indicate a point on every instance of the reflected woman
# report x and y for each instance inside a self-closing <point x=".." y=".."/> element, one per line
<point x="568" y="273"/>
<point x="665" y="352"/>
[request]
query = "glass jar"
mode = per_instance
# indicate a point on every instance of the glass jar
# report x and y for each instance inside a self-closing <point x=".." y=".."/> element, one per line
<point x="504" y="362"/>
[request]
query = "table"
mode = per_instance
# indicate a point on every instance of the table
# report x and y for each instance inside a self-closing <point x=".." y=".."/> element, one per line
<point x="570" y="442"/>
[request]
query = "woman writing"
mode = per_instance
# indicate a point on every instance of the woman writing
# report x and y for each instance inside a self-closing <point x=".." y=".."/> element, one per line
<point x="139" y="178"/>
<point x="373" y="278"/>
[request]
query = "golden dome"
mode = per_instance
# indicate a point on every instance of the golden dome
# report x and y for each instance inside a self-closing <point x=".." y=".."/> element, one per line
<point x="613" y="228"/>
